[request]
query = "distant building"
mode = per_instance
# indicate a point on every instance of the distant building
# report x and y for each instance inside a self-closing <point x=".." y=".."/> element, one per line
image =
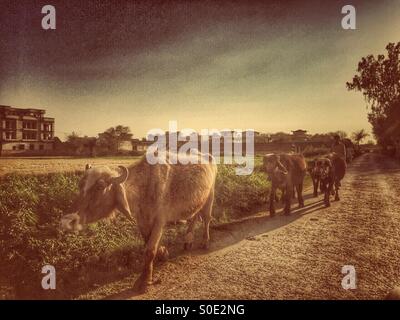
<point x="300" y="135"/>
<point x="140" y="145"/>
<point x="25" y="131"/>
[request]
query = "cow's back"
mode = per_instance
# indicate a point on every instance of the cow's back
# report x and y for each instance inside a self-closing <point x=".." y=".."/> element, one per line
<point x="180" y="189"/>
<point x="296" y="165"/>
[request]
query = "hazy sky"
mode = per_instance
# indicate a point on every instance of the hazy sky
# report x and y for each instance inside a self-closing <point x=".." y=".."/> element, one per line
<point x="270" y="66"/>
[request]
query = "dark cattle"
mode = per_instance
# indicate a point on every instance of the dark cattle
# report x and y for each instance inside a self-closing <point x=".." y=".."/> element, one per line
<point x="332" y="171"/>
<point x="314" y="169"/>
<point x="286" y="171"/>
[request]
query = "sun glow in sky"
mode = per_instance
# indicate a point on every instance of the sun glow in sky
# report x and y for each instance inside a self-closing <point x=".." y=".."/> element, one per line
<point x="268" y="66"/>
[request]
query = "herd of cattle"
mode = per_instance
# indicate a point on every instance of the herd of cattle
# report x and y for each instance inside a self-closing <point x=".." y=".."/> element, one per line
<point x="287" y="172"/>
<point x="164" y="193"/>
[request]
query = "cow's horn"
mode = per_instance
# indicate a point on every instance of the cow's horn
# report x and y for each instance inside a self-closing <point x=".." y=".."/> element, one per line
<point x="122" y="178"/>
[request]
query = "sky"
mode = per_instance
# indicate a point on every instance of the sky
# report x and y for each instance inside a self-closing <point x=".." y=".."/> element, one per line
<point x="269" y="66"/>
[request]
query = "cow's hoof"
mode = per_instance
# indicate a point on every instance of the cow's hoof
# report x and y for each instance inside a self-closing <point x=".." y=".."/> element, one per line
<point x="205" y="245"/>
<point x="287" y="213"/>
<point x="272" y="214"/>
<point x="327" y="204"/>
<point x="337" y="198"/>
<point x="315" y="195"/>
<point x="301" y="205"/>
<point x="272" y="211"/>
<point x="188" y="246"/>
<point x="162" y="253"/>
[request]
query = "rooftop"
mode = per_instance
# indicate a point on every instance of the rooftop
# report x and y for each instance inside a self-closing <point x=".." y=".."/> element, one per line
<point x="3" y="107"/>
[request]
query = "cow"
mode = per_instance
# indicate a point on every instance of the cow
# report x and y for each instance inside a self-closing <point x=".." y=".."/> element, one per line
<point x="286" y="171"/>
<point x="314" y="168"/>
<point x="156" y="194"/>
<point x="332" y="171"/>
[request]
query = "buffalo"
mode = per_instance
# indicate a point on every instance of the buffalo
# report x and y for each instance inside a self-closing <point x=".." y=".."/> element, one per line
<point x="286" y="171"/>
<point x="156" y="194"/>
<point x="329" y="172"/>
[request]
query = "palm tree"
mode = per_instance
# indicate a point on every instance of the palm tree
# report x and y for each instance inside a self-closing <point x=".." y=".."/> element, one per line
<point x="359" y="136"/>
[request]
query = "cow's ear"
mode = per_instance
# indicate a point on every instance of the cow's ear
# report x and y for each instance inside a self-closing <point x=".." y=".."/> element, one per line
<point x="88" y="166"/>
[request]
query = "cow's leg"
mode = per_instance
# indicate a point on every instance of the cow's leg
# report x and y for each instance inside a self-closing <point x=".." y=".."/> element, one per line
<point x="337" y="185"/>
<point x="206" y="212"/>
<point x="299" y="188"/>
<point x="315" y="185"/>
<point x="293" y="192"/>
<point x="146" y="276"/>
<point x="328" y="191"/>
<point x="288" y="202"/>
<point x="272" y="195"/>
<point x="189" y="237"/>
<point x="283" y="196"/>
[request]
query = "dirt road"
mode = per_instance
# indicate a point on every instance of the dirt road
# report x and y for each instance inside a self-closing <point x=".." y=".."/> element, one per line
<point x="301" y="256"/>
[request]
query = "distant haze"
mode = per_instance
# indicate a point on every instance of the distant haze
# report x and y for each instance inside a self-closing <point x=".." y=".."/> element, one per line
<point x="269" y="66"/>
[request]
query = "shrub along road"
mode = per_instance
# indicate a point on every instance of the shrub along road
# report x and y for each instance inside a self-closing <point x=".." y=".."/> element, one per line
<point x="295" y="257"/>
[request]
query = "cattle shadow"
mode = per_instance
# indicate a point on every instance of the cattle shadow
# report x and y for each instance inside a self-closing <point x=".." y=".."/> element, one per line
<point x="229" y="234"/>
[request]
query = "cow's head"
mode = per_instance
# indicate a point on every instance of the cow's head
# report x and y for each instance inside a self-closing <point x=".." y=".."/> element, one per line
<point x="272" y="163"/>
<point x="276" y="171"/>
<point x="315" y="167"/>
<point x="325" y="169"/>
<point x="100" y="193"/>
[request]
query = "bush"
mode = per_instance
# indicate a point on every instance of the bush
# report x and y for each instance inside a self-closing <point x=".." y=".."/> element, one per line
<point x="30" y="211"/>
<point x="239" y="194"/>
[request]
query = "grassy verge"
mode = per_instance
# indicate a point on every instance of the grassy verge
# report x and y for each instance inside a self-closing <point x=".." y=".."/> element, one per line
<point x="30" y="237"/>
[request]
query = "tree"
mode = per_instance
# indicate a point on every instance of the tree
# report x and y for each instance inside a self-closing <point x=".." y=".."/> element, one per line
<point x="359" y="136"/>
<point x="378" y="79"/>
<point x="113" y="137"/>
<point x="81" y="145"/>
<point x="341" y="134"/>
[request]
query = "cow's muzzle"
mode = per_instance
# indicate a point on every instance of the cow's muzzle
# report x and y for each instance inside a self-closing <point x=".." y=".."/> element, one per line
<point x="71" y="222"/>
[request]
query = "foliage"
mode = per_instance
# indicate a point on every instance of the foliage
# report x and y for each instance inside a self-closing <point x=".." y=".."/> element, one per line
<point x="30" y="237"/>
<point x="311" y="151"/>
<point x="80" y="145"/>
<point x="359" y="136"/>
<point x="378" y="79"/>
<point x="112" y="138"/>
<point x="240" y="194"/>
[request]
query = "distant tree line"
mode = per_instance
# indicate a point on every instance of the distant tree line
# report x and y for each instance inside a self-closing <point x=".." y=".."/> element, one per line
<point x="109" y="142"/>
<point x="118" y="140"/>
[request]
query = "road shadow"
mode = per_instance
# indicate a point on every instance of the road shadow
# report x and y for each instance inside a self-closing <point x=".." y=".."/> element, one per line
<point x="226" y="235"/>
<point x="229" y="234"/>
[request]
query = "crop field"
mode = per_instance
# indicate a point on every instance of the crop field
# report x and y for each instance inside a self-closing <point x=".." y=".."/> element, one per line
<point x="36" y="165"/>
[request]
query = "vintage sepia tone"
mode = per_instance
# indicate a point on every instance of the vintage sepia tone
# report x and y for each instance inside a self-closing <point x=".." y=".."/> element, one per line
<point x="200" y="150"/>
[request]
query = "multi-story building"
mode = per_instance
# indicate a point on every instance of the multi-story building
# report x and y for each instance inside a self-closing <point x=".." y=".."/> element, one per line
<point x="25" y="131"/>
